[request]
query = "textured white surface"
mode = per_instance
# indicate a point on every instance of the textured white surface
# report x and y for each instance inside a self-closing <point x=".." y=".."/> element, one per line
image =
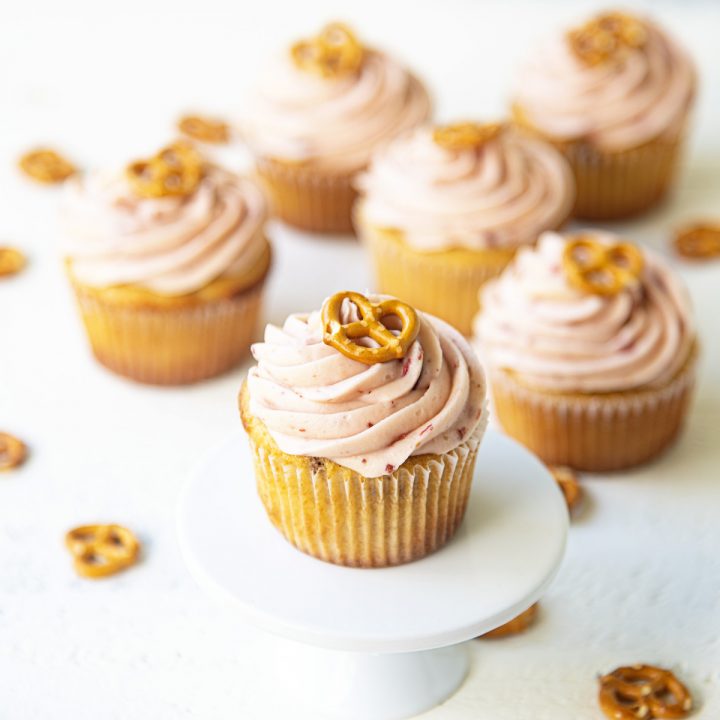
<point x="641" y="580"/>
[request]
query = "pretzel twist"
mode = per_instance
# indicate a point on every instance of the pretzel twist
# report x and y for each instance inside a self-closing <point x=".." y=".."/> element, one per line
<point x="13" y="451"/>
<point x="204" y="129"/>
<point x="601" y="269"/>
<point x="333" y="52"/>
<point x="466" y="136"/>
<point x="46" y="166"/>
<point x="343" y="335"/>
<point x="568" y="483"/>
<point x="700" y="241"/>
<point x="12" y="261"/>
<point x="102" y="550"/>
<point x="643" y="692"/>
<point x="174" y="171"/>
<point x="516" y="626"/>
<point x="606" y="37"/>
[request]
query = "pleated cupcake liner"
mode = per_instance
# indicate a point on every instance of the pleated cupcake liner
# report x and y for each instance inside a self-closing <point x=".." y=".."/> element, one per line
<point x="307" y="198"/>
<point x="437" y="283"/>
<point x="173" y="345"/>
<point x="595" y="433"/>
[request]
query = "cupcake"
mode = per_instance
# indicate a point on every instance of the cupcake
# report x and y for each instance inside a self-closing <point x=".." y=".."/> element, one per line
<point x="168" y="261"/>
<point x="613" y="96"/>
<point x="591" y="351"/>
<point x="444" y="209"/>
<point x="364" y="422"/>
<point x="318" y="112"/>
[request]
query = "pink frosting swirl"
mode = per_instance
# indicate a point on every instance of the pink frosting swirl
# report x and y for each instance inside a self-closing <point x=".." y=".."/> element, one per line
<point x="316" y="402"/>
<point x="536" y="324"/>
<point x="617" y="105"/>
<point x="169" y="245"/>
<point x="299" y="116"/>
<point x="499" y="195"/>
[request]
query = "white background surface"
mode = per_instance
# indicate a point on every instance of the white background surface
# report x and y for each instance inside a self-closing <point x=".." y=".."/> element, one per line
<point x="641" y="581"/>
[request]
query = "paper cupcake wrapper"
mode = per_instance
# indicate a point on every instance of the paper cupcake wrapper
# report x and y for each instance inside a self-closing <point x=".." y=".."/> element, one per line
<point x="307" y="198"/>
<point x="596" y="433"/>
<point x="437" y="283"/>
<point x="171" y="346"/>
<point x="334" y="514"/>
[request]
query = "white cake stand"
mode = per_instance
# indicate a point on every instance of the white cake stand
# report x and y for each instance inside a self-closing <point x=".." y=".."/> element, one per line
<point x="387" y="643"/>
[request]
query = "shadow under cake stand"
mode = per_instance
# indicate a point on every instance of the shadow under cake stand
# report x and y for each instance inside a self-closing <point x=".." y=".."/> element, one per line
<point x="378" y="644"/>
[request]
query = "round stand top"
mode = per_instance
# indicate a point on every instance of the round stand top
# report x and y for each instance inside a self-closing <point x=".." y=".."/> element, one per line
<point x="500" y="561"/>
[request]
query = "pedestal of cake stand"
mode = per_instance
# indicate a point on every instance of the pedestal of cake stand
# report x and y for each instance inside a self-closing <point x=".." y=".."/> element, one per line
<point x="386" y="643"/>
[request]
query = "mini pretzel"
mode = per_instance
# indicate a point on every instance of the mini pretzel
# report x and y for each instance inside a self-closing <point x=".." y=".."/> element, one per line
<point x="11" y="261"/>
<point x="204" y="129"/>
<point x="466" y="136"/>
<point x="643" y="692"/>
<point x="175" y="171"/>
<point x="603" y="38"/>
<point x="335" y="51"/>
<point x="516" y="626"/>
<point x="46" y="166"/>
<point x="102" y="550"/>
<point x="601" y="269"/>
<point x="699" y="241"/>
<point x="342" y="336"/>
<point x="13" y="451"/>
<point x="568" y="484"/>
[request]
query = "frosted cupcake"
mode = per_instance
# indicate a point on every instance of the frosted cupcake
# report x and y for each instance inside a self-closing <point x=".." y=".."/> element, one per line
<point x="614" y="96"/>
<point x="364" y="421"/>
<point x="591" y="351"/>
<point x="444" y="209"/>
<point x="168" y="260"/>
<point x="318" y="112"/>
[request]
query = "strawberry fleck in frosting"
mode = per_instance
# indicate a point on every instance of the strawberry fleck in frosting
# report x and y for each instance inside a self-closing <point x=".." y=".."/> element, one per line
<point x="169" y="245"/>
<point x="314" y="401"/>
<point x="637" y="95"/>
<point x="333" y="122"/>
<point x="503" y="193"/>
<point x="552" y="335"/>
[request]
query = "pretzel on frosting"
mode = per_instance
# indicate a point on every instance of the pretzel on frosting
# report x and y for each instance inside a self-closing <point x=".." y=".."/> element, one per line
<point x="333" y="52"/>
<point x="466" y="136"/>
<point x="605" y="37"/>
<point x="343" y="335"/>
<point x="176" y="170"/>
<point x="102" y="550"/>
<point x="601" y="269"/>
<point x="643" y="692"/>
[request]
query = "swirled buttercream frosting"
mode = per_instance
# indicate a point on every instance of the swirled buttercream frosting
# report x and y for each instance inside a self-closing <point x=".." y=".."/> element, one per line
<point x="552" y="335"/>
<point x="171" y="245"/>
<point x="333" y="121"/>
<point x="638" y="92"/>
<point x="317" y="402"/>
<point x="500" y="193"/>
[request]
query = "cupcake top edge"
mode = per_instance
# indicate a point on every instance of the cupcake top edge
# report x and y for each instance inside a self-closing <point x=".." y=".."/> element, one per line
<point x="328" y="105"/>
<point x="468" y="185"/>
<point x="324" y="387"/>
<point x="171" y="224"/>
<point x="587" y="313"/>
<point x="618" y="81"/>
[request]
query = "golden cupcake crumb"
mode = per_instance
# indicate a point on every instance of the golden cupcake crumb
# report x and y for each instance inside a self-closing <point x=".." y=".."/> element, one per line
<point x="601" y="269"/>
<point x="13" y="452"/>
<point x="176" y="170"/>
<point x="102" y="550"/>
<point x="516" y="626"/>
<point x="699" y="241"/>
<point x="606" y="38"/>
<point x="333" y="52"/>
<point x="466" y="136"/>
<point x="12" y="261"/>
<point x="567" y="481"/>
<point x="342" y="336"/>
<point x="46" y="166"/>
<point x="204" y="129"/>
<point x="643" y="692"/>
